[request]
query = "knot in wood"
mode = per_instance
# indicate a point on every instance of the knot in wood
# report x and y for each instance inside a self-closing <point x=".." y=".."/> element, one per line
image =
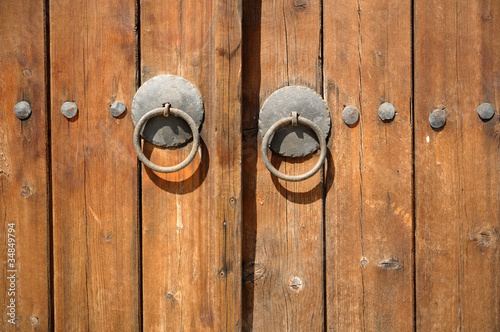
<point x="253" y="272"/>
<point x="389" y="264"/>
<point x="295" y="283"/>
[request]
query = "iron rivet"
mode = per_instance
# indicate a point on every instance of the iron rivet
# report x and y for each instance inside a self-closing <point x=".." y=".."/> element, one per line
<point x="350" y="115"/>
<point x="437" y="118"/>
<point x="22" y="110"/>
<point x="69" y="109"/>
<point x="386" y="112"/>
<point x="117" y="108"/>
<point x="486" y="111"/>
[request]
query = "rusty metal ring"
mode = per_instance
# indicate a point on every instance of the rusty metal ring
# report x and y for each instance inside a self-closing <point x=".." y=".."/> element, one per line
<point x="305" y="122"/>
<point x="167" y="112"/>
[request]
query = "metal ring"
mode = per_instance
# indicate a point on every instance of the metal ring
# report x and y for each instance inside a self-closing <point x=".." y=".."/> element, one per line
<point x="170" y="111"/>
<point x="322" y="146"/>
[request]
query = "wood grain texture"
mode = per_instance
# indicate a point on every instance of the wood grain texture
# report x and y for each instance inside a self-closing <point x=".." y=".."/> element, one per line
<point x="94" y="167"/>
<point x="23" y="165"/>
<point x="282" y="222"/>
<point x="457" y="68"/>
<point x="191" y="219"/>
<point x="369" y="231"/>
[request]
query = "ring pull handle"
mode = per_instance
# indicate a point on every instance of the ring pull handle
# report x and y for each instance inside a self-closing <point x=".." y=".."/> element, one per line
<point x="166" y="111"/>
<point x="294" y="119"/>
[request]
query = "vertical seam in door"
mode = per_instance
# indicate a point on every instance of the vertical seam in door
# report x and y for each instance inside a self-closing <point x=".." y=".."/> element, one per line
<point x="48" y="161"/>
<point x="324" y="175"/>
<point x="139" y="170"/>
<point x="413" y="154"/>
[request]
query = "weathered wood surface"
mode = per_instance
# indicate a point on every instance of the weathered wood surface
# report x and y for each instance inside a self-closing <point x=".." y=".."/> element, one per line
<point x="191" y="219"/>
<point x="374" y="242"/>
<point x="23" y="166"/>
<point x="368" y="209"/>
<point x="457" y="168"/>
<point x="94" y="167"/>
<point x="283" y="284"/>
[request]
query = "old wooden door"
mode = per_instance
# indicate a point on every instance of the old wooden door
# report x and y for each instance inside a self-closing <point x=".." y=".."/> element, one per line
<point x="399" y="231"/>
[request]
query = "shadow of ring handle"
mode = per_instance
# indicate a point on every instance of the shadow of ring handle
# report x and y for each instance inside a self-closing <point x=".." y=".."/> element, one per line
<point x="167" y="112"/>
<point x="304" y="122"/>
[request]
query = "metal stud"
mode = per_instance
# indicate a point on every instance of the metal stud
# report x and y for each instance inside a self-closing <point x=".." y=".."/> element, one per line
<point x="386" y="112"/>
<point x="117" y="108"/>
<point x="486" y="111"/>
<point x="22" y="110"/>
<point x="69" y="109"/>
<point x="350" y="115"/>
<point x="437" y="118"/>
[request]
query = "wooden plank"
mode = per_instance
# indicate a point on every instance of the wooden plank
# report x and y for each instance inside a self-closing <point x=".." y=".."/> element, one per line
<point x="23" y="167"/>
<point x="191" y="219"/>
<point x="457" y="236"/>
<point x="96" y="255"/>
<point x="369" y="228"/>
<point x="282" y="222"/>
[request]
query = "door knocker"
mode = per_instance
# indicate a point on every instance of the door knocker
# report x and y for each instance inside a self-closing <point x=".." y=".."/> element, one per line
<point x="294" y="122"/>
<point x="167" y="111"/>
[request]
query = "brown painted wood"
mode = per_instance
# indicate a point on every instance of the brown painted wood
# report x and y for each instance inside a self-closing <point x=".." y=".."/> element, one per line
<point x="94" y="167"/>
<point x="282" y="222"/>
<point x="191" y="219"/>
<point x="369" y="230"/>
<point x="23" y="166"/>
<point x="457" y="194"/>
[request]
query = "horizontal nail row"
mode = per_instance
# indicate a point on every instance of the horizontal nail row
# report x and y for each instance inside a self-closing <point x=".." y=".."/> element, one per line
<point x="69" y="109"/>
<point x="350" y="114"/>
<point x="437" y="118"/>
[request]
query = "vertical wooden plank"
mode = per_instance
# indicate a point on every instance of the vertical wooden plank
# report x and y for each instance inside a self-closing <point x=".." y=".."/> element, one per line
<point x="282" y="222"/>
<point x="369" y="227"/>
<point x="23" y="169"/>
<point x="191" y="219"/>
<point x="94" y="173"/>
<point x="457" y="68"/>
<point x="228" y="151"/>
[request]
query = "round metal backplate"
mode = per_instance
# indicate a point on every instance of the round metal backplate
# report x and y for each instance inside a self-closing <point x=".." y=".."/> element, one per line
<point x="290" y="141"/>
<point x="179" y="93"/>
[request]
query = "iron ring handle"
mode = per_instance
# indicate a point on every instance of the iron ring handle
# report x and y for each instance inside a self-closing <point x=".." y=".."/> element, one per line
<point x="294" y="120"/>
<point x="166" y="111"/>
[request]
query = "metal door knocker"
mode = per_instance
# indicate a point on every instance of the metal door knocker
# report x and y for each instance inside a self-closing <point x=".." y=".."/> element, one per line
<point x="167" y="111"/>
<point x="294" y="122"/>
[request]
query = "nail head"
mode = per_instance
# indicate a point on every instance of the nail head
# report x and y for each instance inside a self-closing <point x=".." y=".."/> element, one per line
<point x="437" y="118"/>
<point x="386" y="112"/>
<point x="486" y="111"/>
<point x="22" y="110"/>
<point x="350" y="115"/>
<point x="69" y="109"/>
<point x="117" y="108"/>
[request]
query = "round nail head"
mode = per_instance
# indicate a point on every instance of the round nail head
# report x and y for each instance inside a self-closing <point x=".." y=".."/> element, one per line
<point x="69" y="109"/>
<point x="386" y="112"/>
<point x="350" y="115"/>
<point x="486" y="111"/>
<point x="22" y="110"/>
<point x="117" y="108"/>
<point x="437" y="118"/>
